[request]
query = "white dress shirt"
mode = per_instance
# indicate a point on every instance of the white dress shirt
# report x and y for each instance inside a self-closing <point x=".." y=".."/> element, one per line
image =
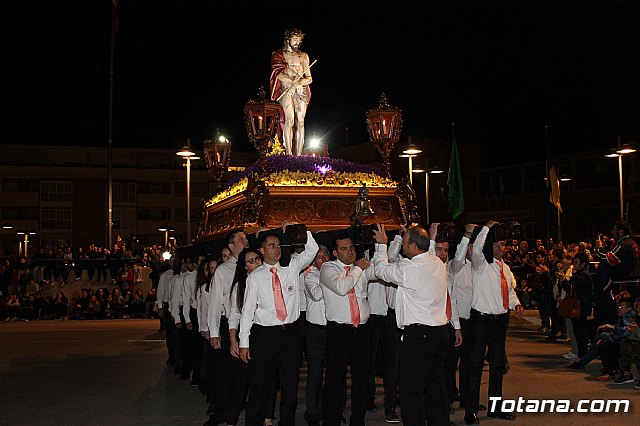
<point x="421" y="297"/>
<point x="487" y="285"/>
<point x="455" y="318"/>
<point x="189" y="294"/>
<point x="462" y="279"/>
<point x="219" y="295"/>
<point x="303" y="296"/>
<point x="315" y="301"/>
<point x="176" y="297"/>
<point x="259" y="305"/>
<point x="202" y="296"/>
<point x="394" y="254"/>
<point x="336" y="285"/>
<point x="163" y="293"/>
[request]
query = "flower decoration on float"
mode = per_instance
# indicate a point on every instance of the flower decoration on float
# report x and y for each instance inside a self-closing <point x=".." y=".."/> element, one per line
<point x="286" y="170"/>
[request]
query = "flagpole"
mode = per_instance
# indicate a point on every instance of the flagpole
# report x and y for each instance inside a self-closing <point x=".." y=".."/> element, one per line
<point x="114" y="30"/>
<point x="546" y="138"/>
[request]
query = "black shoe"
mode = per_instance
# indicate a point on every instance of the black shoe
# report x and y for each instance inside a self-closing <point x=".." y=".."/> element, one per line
<point x="390" y="416"/>
<point x="195" y="383"/>
<point x="457" y="397"/>
<point x="481" y="407"/>
<point x="471" y="419"/>
<point x="372" y="406"/>
<point x="551" y="337"/>
<point x="343" y="420"/>
<point x="170" y="363"/>
<point x="576" y="366"/>
<point x="503" y="416"/>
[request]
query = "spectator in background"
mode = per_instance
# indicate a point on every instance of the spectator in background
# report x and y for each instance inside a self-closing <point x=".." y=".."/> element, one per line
<point x="60" y="306"/>
<point x="13" y="305"/>
<point x="126" y="278"/>
<point x="137" y="304"/>
<point x="149" y="302"/>
<point x="93" y="308"/>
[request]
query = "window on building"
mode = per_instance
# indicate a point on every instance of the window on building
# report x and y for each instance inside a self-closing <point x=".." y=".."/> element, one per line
<point x="154" y="188"/>
<point x="59" y="218"/>
<point x="20" y="213"/>
<point x="154" y="214"/>
<point x="124" y="192"/>
<point x="20" y="185"/>
<point x="55" y="191"/>
<point x="531" y="231"/>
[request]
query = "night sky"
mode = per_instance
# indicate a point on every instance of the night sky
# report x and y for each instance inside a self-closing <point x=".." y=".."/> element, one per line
<point x="500" y="70"/>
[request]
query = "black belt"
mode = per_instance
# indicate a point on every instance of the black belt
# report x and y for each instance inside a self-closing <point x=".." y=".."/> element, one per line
<point x="311" y="324"/>
<point x="410" y="326"/>
<point x="484" y="315"/>
<point x="344" y="324"/>
<point x="285" y="326"/>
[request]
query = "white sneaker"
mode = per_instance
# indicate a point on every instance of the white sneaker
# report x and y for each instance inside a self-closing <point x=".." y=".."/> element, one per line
<point x="570" y="355"/>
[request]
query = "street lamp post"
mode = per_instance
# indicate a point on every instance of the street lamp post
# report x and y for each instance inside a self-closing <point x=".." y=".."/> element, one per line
<point x="166" y="229"/>
<point x="619" y="152"/>
<point x="410" y="152"/>
<point x="25" y="244"/>
<point x="426" y="171"/>
<point x="186" y="153"/>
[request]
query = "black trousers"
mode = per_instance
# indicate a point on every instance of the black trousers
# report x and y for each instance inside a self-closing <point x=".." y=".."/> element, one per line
<point x="451" y="364"/>
<point x="170" y="331"/>
<point x="464" y="368"/>
<point x="423" y="350"/>
<point x="316" y="344"/>
<point x="385" y="342"/>
<point x="488" y="335"/>
<point x="274" y="350"/>
<point x="195" y="341"/>
<point x="184" y="347"/>
<point x="346" y="346"/>
<point x="224" y="373"/>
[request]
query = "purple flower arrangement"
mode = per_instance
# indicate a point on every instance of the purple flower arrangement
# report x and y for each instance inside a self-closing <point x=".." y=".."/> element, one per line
<point x="306" y="163"/>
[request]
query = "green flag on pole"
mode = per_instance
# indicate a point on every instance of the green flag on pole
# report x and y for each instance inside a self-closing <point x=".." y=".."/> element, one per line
<point x="454" y="182"/>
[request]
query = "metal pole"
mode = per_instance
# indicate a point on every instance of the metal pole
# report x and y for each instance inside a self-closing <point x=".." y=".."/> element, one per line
<point x="559" y="227"/>
<point x="426" y="185"/>
<point x="188" y="200"/>
<point x="166" y="238"/>
<point x="110" y="150"/>
<point x="26" y="245"/>
<point x="411" y="169"/>
<point x="621" y="187"/>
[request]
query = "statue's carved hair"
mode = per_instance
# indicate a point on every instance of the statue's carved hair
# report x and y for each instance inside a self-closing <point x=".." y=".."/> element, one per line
<point x="292" y="32"/>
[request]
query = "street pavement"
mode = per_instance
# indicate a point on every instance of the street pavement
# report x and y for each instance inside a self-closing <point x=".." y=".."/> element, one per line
<point x="113" y="372"/>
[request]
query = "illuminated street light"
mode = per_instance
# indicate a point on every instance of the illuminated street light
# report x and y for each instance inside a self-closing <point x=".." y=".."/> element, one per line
<point x="166" y="229"/>
<point x="25" y="244"/>
<point x="619" y="152"/>
<point x="435" y="170"/>
<point x="410" y="152"/>
<point x="188" y="154"/>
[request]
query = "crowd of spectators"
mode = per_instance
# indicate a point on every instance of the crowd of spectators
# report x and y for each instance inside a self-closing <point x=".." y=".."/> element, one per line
<point x="28" y="284"/>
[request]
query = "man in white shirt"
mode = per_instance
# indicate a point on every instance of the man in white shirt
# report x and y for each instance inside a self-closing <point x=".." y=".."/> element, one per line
<point x="385" y="341"/>
<point x="344" y="289"/>
<point x="218" y="319"/>
<point x="421" y="312"/>
<point x="175" y="307"/>
<point x="316" y="338"/>
<point x="439" y="247"/>
<point x="493" y="297"/>
<point x="269" y="332"/>
<point x="463" y="292"/>
<point x="190" y="314"/>
<point x="163" y="296"/>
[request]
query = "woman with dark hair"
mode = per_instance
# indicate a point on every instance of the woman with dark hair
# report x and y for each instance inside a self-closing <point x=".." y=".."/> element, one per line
<point x="248" y="261"/>
<point x="60" y="306"/>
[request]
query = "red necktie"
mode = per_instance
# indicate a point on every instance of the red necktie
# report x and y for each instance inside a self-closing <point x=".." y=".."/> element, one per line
<point x="276" y="286"/>
<point x="353" y="303"/>
<point x="448" y="307"/>
<point x="505" y="287"/>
